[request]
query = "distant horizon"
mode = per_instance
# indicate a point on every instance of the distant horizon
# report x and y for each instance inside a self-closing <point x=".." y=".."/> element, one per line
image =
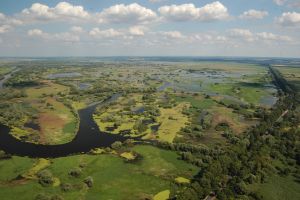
<point x="150" y="56"/>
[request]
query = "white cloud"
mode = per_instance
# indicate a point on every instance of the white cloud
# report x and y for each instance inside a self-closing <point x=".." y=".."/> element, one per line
<point x="173" y="34"/>
<point x="137" y="30"/>
<point x="185" y="12"/>
<point x="279" y="2"/>
<point x="254" y="14"/>
<point x="64" y="37"/>
<point x="5" y="20"/>
<point x="289" y="19"/>
<point x="132" y="13"/>
<point x="35" y="32"/>
<point x="77" y="29"/>
<point x="108" y="33"/>
<point x="247" y="35"/>
<point x="244" y="34"/>
<point x="156" y="1"/>
<point x="272" y="36"/>
<point x="67" y="9"/>
<point x="5" y="28"/>
<point x="62" y="11"/>
<point x="209" y="38"/>
<point x="2" y="16"/>
<point x="39" y="11"/>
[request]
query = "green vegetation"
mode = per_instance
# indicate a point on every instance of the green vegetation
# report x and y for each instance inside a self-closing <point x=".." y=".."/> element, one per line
<point x="196" y="130"/>
<point x="277" y="188"/>
<point x="93" y="177"/>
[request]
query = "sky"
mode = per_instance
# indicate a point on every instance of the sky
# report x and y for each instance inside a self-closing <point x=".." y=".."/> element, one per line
<point x="252" y="28"/>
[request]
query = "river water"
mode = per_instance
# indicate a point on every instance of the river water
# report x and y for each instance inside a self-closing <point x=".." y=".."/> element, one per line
<point x="89" y="136"/>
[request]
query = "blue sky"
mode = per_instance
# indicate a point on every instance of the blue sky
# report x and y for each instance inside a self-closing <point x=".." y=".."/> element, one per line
<point x="150" y="28"/>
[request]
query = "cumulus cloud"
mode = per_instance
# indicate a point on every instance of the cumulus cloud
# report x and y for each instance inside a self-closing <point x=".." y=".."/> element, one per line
<point x="5" y="28"/>
<point x="35" y="32"/>
<point x="62" y="11"/>
<point x="209" y="38"/>
<point x="186" y="12"/>
<point x="77" y="29"/>
<point x="5" y="20"/>
<point x="289" y="19"/>
<point x="132" y="13"/>
<point x="173" y="34"/>
<point x="137" y="30"/>
<point x="108" y="33"/>
<point x="64" y="37"/>
<point x="244" y="34"/>
<point x="272" y="36"/>
<point x="247" y="35"/>
<point x="254" y="14"/>
<point x="2" y="16"/>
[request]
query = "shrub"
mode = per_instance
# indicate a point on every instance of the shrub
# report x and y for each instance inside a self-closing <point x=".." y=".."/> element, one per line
<point x="116" y="145"/>
<point x="76" y="172"/>
<point x="66" y="187"/>
<point x="57" y="197"/>
<point x="42" y="196"/>
<point x="89" y="181"/>
<point x="45" y="178"/>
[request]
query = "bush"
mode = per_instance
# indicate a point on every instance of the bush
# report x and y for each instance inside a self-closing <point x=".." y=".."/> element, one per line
<point x="57" y="197"/>
<point x="42" y="197"/>
<point x="223" y="126"/>
<point x="89" y="181"/>
<point x="3" y="155"/>
<point x="45" y="178"/>
<point x="66" y="187"/>
<point x="116" y="145"/>
<point x="76" y="172"/>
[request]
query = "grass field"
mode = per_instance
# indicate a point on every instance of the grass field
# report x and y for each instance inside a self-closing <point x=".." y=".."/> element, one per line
<point x="197" y="102"/>
<point x="113" y="178"/>
<point x="57" y="123"/>
<point x="246" y="93"/>
<point x="171" y="121"/>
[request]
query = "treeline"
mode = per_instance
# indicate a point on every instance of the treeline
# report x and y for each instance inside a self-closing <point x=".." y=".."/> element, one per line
<point x="8" y="94"/>
<point x="227" y="171"/>
<point x="26" y="77"/>
<point x="280" y="82"/>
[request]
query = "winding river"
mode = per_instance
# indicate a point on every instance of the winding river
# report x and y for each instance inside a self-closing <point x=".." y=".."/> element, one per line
<point x="88" y="136"/>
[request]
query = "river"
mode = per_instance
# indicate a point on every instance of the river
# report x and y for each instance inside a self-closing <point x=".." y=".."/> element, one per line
<point x="89" y="136"/>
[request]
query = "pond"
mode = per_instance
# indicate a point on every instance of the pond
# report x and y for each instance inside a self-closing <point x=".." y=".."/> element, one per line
<point x="84" y="86"/>
<point x="164" y="86"/>
<point x="268" y="100"/>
